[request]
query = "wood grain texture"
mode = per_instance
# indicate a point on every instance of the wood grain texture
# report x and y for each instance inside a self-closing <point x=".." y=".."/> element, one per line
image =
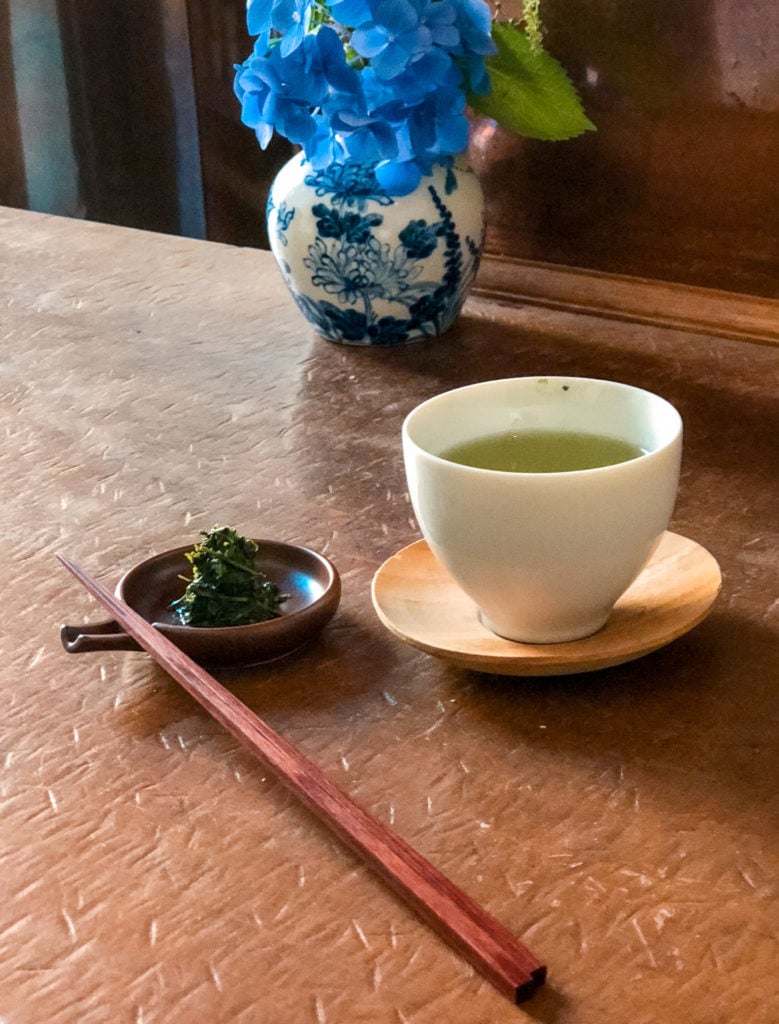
<point x="490" y="947"/>
<point x="417" y="599"/>
<point x="678" y="182"/>
<point x="640" y="300"/>
<point x="622" y="822"/>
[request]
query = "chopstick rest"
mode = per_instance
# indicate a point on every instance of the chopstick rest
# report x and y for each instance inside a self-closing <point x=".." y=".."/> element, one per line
<point x="462" y="922"/>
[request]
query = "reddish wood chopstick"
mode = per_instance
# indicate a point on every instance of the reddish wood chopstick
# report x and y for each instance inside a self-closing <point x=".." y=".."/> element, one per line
<point x="490" y="947"/>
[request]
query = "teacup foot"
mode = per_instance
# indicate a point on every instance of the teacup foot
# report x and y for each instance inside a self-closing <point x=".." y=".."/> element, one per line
<point x="534" y="634"/>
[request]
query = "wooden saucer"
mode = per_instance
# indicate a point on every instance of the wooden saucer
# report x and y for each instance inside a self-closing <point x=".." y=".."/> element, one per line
<point x="418" y="601"/>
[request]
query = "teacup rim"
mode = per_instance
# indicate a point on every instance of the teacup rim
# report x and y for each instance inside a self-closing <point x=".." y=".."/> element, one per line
<point x="564" y="379"/>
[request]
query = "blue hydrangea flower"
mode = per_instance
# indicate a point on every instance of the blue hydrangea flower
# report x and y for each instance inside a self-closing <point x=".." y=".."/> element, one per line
<point x="439" y="125"/>
<point x="413" y="84"/>
<point x="292" y="19"/>
<point x="378" y="82"/>
<point x="277" y="92"/>
<point x="289" y="18"/>
<point x="399" y="177"/>
<point x="293" y="93"/>
<point x="476" y="43"/>
<point x="440" y="17"/>
<point x="351" y="13"/>
<point x="259" y="17"/>
<point x="393" y="39"/>
<point x="474" y="23"/>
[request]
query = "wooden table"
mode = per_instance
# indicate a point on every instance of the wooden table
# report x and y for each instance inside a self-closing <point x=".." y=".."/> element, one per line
<point x="622" y="823"/>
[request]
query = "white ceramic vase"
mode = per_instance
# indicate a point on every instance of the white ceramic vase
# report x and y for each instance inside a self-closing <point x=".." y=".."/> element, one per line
<point x="367" y="268"/>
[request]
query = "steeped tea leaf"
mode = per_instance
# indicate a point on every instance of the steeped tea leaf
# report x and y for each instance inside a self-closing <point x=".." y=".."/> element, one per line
<point x="226" y="588"/>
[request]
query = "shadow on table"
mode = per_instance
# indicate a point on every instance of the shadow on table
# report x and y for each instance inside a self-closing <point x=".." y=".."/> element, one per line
<point x="546" y="1005"/>
<point x="311" y="681"/>
<point x="704" y="707"/>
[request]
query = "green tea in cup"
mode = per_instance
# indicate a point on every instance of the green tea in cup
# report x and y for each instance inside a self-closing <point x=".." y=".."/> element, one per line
<point x="542" y="451"/>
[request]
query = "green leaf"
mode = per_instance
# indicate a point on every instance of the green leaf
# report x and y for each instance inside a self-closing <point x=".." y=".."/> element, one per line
<point x="226" y="588"/>
<point x="531" y="93"/>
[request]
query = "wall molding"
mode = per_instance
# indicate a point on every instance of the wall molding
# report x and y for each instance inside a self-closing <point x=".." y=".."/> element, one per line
<point x="730" y="315"/>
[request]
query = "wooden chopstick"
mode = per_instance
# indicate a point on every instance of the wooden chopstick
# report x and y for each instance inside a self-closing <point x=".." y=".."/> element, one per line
<point x="485" y="943"/>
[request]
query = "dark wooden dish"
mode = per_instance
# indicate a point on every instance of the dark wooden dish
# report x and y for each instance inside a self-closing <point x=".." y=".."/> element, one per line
<point x="310" y="580"/>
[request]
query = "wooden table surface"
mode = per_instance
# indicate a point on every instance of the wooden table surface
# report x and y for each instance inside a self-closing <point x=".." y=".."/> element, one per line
<point x="622" y="823"/>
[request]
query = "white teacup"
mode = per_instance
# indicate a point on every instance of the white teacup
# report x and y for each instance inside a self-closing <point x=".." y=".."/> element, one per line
<point x="544" y="555"/>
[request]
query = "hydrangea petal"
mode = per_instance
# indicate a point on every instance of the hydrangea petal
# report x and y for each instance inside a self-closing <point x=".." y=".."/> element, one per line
<point x="398" y="178"/>
<point x="351" y="12"/>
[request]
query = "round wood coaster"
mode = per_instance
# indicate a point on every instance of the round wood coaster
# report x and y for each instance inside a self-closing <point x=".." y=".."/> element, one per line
<point x="418" y="601"/>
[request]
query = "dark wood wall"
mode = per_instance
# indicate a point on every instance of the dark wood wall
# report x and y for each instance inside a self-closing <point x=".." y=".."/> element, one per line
<point x="681" y="180"/>
<point x="123" y="111"/>
<point x="13" y="191"/>
<point x="678" y="184"/>
<point x="236" y="173"/>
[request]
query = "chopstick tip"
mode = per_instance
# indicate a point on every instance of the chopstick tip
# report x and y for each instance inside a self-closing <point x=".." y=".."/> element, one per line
<point x="530" y="986"/>
<point x="74" y="570"/>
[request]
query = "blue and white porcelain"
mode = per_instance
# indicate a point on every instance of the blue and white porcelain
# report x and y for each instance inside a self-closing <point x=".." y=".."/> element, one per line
<point x="368" y="268"/>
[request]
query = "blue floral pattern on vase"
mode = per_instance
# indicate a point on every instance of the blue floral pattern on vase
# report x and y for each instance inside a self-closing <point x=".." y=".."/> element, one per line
<point x="367" y="268"/>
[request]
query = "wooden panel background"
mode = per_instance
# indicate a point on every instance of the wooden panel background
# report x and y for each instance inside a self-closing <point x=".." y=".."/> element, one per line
<point x="12" y="182"/>
<point x="236" y="173"/>
<point x="680" y="181"/>
<point x="123" y="111"/>
<point x="678" y="184"/>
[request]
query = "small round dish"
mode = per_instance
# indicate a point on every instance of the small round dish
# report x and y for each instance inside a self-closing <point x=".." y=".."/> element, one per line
<point x="310" y="580"/>
<point x="418" y="601"/>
